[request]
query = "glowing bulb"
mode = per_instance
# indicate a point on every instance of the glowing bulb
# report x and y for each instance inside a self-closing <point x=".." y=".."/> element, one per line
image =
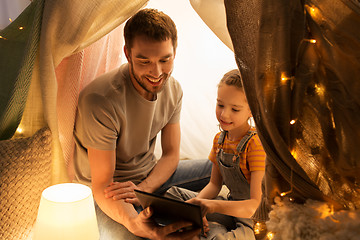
<point x="285" y="193"/>
<point x="320" y="90"/>
<point x="294" y="154"/>
<point x="284" y="77"/>
<point x="1" y="37"/>
<point x="313" y="11"/>
<point x="331" y="214"/>
<point x="10" y="19"/>
<point x="270" y="235"/>
<point x="332" y="209"/>
<point x="19" y="130"/>
<point x="21" y="28"/>
<point x="259" y="228"/>
<point x="292" y="122"/>
<point x="310" y="40"/>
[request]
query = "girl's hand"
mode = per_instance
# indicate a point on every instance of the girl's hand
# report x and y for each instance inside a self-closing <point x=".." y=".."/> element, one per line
<point x="122" y="190"/>
<point x="204" y="204"/>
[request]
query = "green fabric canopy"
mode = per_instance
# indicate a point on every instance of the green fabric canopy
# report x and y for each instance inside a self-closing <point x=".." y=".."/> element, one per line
<point x="18" y="48"/>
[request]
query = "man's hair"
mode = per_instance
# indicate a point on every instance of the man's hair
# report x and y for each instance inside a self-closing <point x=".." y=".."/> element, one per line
<point x="151" y="23"/>
<point x="232" y="78"/>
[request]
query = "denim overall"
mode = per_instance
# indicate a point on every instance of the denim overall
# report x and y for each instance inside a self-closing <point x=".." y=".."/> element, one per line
<point x="234" y="179"/>
<point x="225" y="227"/>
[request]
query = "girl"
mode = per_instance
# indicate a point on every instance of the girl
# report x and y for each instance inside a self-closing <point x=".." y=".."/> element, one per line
<point x="238" y="162"/>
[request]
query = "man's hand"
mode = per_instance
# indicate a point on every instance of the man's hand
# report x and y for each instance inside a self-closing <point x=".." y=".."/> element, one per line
<point x="174" y="231"/>
<point x="122" y="190"/>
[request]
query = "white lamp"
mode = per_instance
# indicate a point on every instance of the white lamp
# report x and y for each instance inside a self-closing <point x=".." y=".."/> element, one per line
<point x="66" y="212"/>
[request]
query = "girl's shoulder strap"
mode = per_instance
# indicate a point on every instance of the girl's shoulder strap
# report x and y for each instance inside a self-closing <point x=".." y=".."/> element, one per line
<point x="243" y="142"/>
<point x="222" y="137"/>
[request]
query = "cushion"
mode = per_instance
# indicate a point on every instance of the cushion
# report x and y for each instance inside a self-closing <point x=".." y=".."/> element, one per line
<point x="25" y="165"/>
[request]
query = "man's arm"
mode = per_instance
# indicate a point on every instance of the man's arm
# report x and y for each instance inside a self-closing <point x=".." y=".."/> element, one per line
<point x="102" y="164"/>
<point x="166" y="165"/>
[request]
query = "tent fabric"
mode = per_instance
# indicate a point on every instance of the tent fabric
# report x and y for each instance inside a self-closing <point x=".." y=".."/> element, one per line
<point x="73" y="74"/>
<point x="67" y="27"/>
<point x="289" y="77"/>
<point x="65" y="34"/>
<point x="286" y="77"/>
<point x="19" y="40"/>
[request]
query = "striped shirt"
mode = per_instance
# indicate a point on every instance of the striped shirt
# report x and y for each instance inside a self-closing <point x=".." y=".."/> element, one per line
<point x="251" y="159"/>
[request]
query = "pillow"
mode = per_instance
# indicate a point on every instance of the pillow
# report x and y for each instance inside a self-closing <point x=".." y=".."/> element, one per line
<point x="25" y="165"/>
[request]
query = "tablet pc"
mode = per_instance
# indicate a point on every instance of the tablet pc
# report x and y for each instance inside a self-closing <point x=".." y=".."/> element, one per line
<point x="167" y="210"/>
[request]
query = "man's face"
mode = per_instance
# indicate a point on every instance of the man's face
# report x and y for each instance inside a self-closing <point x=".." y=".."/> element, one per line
<point x="151" y="63"/>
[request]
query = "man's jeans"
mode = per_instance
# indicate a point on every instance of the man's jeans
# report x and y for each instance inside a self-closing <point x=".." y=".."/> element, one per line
<point x="190" y="174"/>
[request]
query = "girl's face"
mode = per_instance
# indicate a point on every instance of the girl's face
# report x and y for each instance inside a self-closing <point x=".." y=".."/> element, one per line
<point x="232" y="109"/>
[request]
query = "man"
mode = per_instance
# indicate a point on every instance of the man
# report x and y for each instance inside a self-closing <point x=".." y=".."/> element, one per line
<point x="119" y="116"/>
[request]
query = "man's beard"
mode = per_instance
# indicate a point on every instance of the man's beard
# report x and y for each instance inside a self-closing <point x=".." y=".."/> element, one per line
<point x="153" y="90"/>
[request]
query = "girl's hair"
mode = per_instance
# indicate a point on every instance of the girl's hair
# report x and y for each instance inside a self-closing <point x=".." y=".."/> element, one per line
<point x="232" y="78"/>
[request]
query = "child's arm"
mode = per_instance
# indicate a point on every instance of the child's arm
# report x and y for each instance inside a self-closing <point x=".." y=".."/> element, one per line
<point x="212" y="189"/>
<point x="243" y="209"/>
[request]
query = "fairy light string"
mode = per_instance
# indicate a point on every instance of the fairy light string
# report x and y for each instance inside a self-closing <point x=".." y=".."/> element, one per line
<point x="20" y="28"/>
<point x="318" y="88"/>
<point x="259" y="227"/>
<point x="308" y="43"/>
<point x="283" y="194"/>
